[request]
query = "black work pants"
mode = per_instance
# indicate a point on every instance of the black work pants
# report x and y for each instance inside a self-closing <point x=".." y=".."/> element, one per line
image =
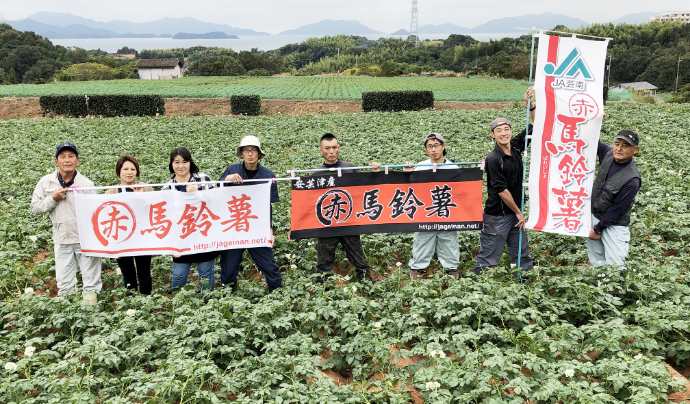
<point x="325" y="255"/>
<point x="142" y="272"/>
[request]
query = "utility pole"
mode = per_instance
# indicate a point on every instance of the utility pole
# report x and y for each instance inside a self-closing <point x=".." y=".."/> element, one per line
<point x="677" y="72"/>
<point x="414" y="24"/>
<point x="608" y="80"/>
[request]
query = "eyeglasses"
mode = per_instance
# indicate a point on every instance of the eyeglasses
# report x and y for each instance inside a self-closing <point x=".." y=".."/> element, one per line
<point x="434" y="146"/>
<point x="249" y="151"/>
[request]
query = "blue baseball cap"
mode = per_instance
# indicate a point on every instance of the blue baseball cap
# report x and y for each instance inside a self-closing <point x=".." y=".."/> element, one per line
<point x="66" y="146"/>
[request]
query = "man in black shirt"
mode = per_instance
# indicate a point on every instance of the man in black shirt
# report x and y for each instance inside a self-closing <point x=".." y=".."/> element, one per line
<point x="613" y="194"/>
<point x="325" y="247"/>
<point x="503" y="219"/>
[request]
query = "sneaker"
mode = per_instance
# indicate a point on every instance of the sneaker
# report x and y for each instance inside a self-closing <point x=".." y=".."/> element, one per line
<point x="454" y="273"/>
<point x="416" y="275"/>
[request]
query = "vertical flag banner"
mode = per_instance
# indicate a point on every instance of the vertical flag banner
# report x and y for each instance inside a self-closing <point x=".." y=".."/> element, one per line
<point x="568" y="86"/>
<point x="172" y="222"/>
<point x="329" y="206"/>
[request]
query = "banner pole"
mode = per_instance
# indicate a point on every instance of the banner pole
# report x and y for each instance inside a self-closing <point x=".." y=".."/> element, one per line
<point x="524" y="160"/>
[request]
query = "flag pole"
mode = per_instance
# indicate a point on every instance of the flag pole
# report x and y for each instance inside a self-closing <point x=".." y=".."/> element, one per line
<point x="524" y="160"/>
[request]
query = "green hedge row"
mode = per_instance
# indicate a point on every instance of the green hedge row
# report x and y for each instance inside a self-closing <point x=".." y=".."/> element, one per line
<point x="103" y="105"/>
<point x="245" y="104"/>
<point x="390" y="101"/>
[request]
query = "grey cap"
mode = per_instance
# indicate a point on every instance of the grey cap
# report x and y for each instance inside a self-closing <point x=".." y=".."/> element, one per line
<point x="498" y="122"/>
<point x="437" y="136"/>
<point x="432" y="136"/>
<point x="629" y="136"/>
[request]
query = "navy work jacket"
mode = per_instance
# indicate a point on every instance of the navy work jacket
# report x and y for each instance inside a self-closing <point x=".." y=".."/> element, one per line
<point x="263" y="172"/>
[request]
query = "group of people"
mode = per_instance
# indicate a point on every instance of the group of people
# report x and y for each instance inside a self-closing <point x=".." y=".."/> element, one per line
<point x="615" y="187"/>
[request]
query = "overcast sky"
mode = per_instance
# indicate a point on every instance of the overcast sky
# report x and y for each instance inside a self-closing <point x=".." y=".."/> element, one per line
<point x="274" y="16"/>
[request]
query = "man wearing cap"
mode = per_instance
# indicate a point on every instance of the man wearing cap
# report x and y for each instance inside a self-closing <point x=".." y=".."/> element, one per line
<point x="503" y="219"/>
<point x="51" y="196"/>
<point x="613" y="194"/>
<point x="249" y="168"/>
<point x="444" y="242"/>
<point x="325" y="246"/>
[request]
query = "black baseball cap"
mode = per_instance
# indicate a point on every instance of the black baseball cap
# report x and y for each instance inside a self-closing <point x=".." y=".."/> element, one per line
<point x="66" y="146"/>
<point x="629" y="136"/>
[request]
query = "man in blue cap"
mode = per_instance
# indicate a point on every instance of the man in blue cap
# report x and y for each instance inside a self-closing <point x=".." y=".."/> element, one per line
<point x="613" y="194"/>
<point x="52" y="196"/>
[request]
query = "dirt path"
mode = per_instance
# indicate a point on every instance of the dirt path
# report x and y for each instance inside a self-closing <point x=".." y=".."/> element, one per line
<point x="28" y="107"/>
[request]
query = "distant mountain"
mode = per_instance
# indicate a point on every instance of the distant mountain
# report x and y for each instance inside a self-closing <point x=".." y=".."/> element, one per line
<point x="76" y="31"/>
<point x="541" y="21"/>
<point x="209" y="35"/>
<point x="442" y="29"/>
<point x="121" y="27"/>
<point x="332" y="27"/>
<point x="401" y="32"/>
<point x="635" y="18"/>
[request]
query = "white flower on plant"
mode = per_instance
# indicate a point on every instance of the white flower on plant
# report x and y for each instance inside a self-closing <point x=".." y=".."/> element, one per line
<point x="513" y="266"/>
<point x="29" y="291"/>
<point x="432" y="386"/>
<point x="377" y="324"/>
<point x="310" y="243"/>
<point x="398" y="264"/>
<point x="33" y="238"/>
<point x="638" y="357"/>
<point x="476" y="295"/>
<point x="354" y="288"/>
<point x="647" y="193"/>
<point x="667" y="195"/>
<point x="83" y="366"/>
<point x="293" y="266"/>
<point x="569" y="373"/>
<point x="347" y="277"/>
<point x="293" y="256"/>
<point x="637" y="302"/>
<point x="634" y="270"/>
<point x="438" y="354"/>
<point x="11" y="366"/>
<point x="670" y="209"/>
<point x="414" y="316"/>
<point x="29" y="351"/>
<point x="287" y="256"/>
<point x="131" y="312"/>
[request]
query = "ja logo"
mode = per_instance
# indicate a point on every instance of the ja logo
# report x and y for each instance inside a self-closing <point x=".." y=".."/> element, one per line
<point x="570" y="67"/>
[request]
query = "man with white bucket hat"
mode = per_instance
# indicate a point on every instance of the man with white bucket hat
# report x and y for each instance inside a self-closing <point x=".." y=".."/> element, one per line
<point x="249" y="168"/>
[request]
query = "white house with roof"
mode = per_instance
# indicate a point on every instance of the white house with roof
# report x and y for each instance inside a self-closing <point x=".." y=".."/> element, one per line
<point x="157" y="69"/>
<point x="683" y="16"/>
<point x="641" y="86"/>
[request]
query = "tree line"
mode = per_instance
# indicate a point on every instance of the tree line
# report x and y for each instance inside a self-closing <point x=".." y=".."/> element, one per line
<point x="645" y="52"/>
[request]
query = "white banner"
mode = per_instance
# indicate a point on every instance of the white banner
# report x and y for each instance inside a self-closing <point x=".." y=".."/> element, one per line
<point x="173" y="222"/>
<point x="568" y="86"/>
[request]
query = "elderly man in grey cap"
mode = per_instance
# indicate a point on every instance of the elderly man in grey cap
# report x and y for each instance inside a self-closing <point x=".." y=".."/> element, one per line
<point x="503" y="219"/>
<point x="51" y="196"/>
<point x="613" y="194"/>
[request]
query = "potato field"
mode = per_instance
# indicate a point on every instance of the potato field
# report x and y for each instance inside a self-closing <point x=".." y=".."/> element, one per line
<point x="572" y="334"/>
<point x="308" y="87"/>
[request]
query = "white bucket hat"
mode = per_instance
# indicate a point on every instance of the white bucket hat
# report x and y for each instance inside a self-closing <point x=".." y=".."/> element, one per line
<point x="250" y="141"/>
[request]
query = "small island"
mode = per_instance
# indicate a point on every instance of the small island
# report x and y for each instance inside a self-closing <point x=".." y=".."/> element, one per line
<point x="208" y="35"/>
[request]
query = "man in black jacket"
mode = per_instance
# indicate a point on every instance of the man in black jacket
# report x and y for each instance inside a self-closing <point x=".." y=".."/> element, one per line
<point x="504" y="223"/>
<point x="613" y="194"/>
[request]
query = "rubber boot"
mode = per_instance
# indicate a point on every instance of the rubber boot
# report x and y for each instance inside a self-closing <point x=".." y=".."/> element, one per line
<point x="91" y="298"/>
